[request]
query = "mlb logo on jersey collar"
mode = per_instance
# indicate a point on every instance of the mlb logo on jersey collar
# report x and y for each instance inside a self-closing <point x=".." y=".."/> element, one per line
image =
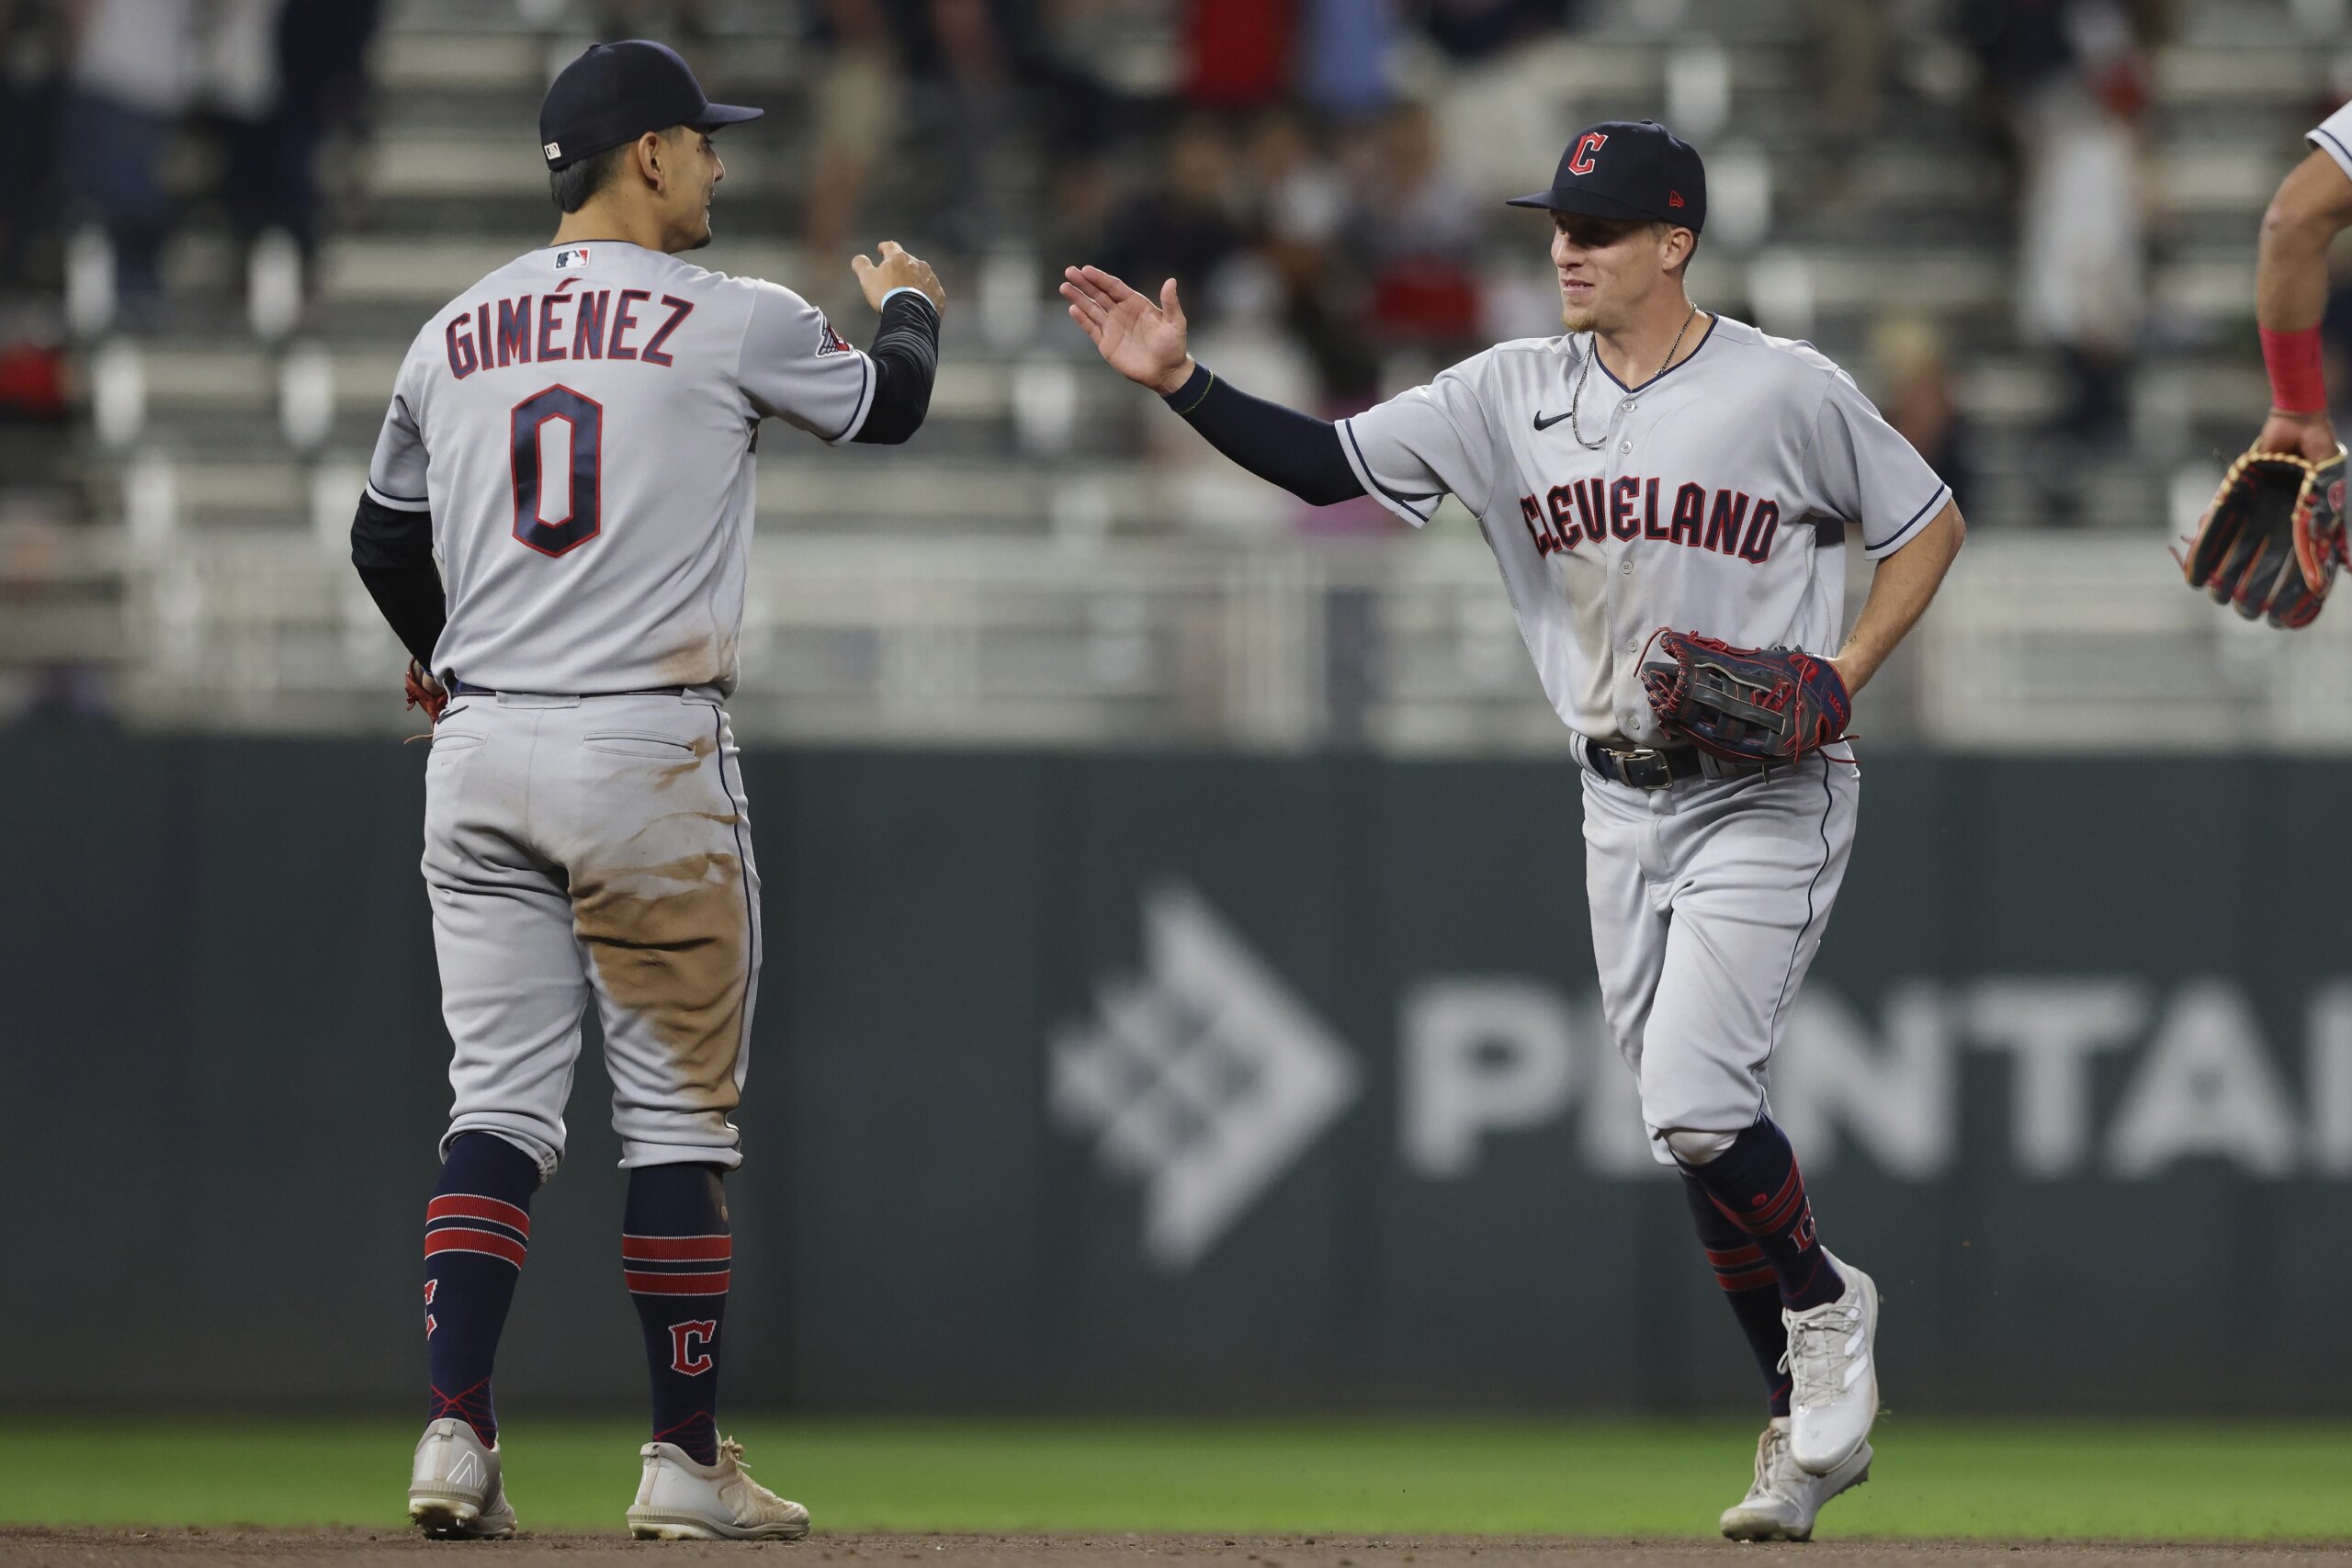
<point x="573" y="258"/>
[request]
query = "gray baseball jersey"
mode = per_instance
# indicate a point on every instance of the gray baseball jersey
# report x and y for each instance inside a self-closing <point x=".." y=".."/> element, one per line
<point x="582" y="424"/>
<point x="1709" y="500"/>
<point x="2333" y="136"/>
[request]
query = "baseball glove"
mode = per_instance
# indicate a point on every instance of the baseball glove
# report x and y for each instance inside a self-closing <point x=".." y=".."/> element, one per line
<point x="2269" y="545"/>
<point x="1743" y="704"/>
<point x="424" y="692"/>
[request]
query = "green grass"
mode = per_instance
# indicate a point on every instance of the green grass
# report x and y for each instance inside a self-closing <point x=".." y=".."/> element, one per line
<point x="2025" y="1479"/>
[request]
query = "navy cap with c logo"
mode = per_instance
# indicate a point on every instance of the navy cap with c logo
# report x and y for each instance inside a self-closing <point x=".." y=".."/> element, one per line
<point x="1631" y="169"/>
<point x="616" y="93"/>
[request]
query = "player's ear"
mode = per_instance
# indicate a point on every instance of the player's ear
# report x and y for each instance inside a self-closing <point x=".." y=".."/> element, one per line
<point x="649" y="149"/>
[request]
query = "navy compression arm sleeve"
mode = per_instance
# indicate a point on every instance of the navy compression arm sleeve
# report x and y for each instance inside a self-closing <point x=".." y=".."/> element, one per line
<point x="393" y="552"/>
<point x="906" y="361"/>
<point x="1281" y="445"/>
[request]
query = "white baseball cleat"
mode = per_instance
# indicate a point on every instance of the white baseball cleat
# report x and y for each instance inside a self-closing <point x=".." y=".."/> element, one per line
<point x="1832" y="1364"/>
<point x="454" y="1489"/>
<point x="1787" y="1498"/>
<point x="680" y="1500"/>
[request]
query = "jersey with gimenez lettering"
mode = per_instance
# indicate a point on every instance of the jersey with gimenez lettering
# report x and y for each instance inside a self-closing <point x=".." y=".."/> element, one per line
<point x="1711" y="499"/>
<point x="582" y="424"/>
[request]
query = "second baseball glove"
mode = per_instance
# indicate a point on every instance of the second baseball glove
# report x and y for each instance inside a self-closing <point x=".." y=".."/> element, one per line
<point x="1744" y="704"/>
<point x="2269" y="545"/>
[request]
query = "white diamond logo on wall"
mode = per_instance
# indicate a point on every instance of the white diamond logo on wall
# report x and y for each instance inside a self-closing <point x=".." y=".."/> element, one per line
<point x="1205" y="1078"/>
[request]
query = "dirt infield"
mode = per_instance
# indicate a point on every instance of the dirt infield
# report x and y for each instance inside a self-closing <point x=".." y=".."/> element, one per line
<point x="361" y="1549"/>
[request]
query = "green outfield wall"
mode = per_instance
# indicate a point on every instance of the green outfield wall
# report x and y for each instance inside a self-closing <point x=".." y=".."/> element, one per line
<point x="1199" y="1082"/>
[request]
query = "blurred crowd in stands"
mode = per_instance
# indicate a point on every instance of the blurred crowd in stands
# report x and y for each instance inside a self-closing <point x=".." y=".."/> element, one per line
<point x="1318" y="175"/>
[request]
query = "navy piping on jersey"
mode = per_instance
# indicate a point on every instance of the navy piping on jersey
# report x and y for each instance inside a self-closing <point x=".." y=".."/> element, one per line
<point x="2343" y="154"/>
<point x="858" y="414"/>
<point x="1918" y="520"/>
<point x="1662" y="374"/>
<point x="386" y="498"/>
<point x="1365" y="468"/>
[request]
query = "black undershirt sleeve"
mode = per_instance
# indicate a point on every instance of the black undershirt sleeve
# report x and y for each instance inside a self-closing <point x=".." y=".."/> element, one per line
<point x="393" y="552"/>
<point x="906" y="361"/>
<point x="1281" y="445"/>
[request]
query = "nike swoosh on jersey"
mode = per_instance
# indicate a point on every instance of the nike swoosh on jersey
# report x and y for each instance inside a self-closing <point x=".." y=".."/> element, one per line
<point x="1542" y="424"/>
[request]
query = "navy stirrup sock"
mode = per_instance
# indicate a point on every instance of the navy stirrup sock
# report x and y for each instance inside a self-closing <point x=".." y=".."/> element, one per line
<point x="676" y="1252"/>
<point x="477" y="1231"/>
<point x="1755" y="1185"/>
<point x="1748" y="1284"/>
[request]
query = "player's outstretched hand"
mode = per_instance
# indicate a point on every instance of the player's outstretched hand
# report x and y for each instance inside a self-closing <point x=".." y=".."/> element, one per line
<point x="2300" y="435"/>
<point x="1141" y="341"/>
<point x="896" y="269"/>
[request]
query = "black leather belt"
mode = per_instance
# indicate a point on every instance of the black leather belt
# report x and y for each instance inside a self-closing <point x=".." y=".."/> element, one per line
<point x="468" y="689"/>
<point x="1646" y="769"/>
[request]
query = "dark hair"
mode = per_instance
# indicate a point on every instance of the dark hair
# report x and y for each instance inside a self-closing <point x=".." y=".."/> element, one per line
<point x="574" y="187"/>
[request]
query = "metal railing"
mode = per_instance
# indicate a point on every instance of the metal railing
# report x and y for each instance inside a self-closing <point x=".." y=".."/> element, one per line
<point x="2037" y="642"/>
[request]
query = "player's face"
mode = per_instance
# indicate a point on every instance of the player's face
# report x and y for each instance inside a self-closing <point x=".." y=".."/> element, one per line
<point x="1607" y="268"/>
<point x="687" y="200"/>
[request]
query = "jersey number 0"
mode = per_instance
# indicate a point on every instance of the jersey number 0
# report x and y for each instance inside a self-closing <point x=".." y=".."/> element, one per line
<point x="583" y="449"/>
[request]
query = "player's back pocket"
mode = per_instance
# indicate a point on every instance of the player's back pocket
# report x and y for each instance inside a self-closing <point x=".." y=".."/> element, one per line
<point x="622" y="743"/>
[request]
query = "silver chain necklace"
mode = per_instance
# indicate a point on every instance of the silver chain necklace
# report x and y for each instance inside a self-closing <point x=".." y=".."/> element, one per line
<point x="1577" y="395"/>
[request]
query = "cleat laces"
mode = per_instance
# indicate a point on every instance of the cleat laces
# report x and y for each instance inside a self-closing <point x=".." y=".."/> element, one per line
<point x="1821" y="1349"/>
<point x="766" y="1502"/>
<point x="1774" y="1469"/>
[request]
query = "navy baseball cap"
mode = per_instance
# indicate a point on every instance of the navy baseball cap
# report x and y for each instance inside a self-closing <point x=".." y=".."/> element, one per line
<point x="616" y="93"/>
<point x="1633" y="169"/>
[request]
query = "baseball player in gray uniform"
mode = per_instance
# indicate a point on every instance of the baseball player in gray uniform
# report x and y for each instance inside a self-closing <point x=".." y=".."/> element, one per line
<point x="574" y="437"/>
<point x="1660" y="466"/>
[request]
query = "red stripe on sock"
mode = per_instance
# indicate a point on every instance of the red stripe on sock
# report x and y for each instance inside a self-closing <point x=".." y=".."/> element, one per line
<point x="1738" y="1257"/>
<point x="678" y="1284"/>
<point x="473" y="1206"/>
<point x="487" y="1242"/>
<point x="677" y="1248"/>
<point x="1776" y="1214"/>
<point x="1754" y="1279"/>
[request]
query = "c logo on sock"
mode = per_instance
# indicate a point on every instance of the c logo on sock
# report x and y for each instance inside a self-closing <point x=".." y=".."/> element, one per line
<point x="690" y="1346"/>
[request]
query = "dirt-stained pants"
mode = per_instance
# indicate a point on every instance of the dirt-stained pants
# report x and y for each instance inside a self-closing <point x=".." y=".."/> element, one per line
<point x="593" y="844"/>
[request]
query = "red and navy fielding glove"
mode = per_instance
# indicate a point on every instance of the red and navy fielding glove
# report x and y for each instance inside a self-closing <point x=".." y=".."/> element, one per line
<point x="1743" y="704"/>
<point x="2269" y="545"/>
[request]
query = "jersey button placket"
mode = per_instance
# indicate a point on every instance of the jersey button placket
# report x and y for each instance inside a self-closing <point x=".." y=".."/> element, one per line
<point x="1623" y="630"/>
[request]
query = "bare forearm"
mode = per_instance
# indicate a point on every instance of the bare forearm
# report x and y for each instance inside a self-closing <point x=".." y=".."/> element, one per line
<point x="2312" y="206"/>
<point x="1899" y="595"/>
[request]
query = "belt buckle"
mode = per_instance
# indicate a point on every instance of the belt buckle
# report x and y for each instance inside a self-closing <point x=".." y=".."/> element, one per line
<point x="1641" y="766"/>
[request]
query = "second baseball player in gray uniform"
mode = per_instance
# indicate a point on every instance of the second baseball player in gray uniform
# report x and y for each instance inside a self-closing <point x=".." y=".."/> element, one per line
<point x="1659" y="467"/>
<point x="574" y="437"/>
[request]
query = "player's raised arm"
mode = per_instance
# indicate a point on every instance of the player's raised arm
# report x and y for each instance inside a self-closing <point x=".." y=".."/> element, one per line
<point x="2313" y="205"/>
<point x="1145" y="343"/>
<point x="2271" y="542"/>
<point x="905" y="350"/>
